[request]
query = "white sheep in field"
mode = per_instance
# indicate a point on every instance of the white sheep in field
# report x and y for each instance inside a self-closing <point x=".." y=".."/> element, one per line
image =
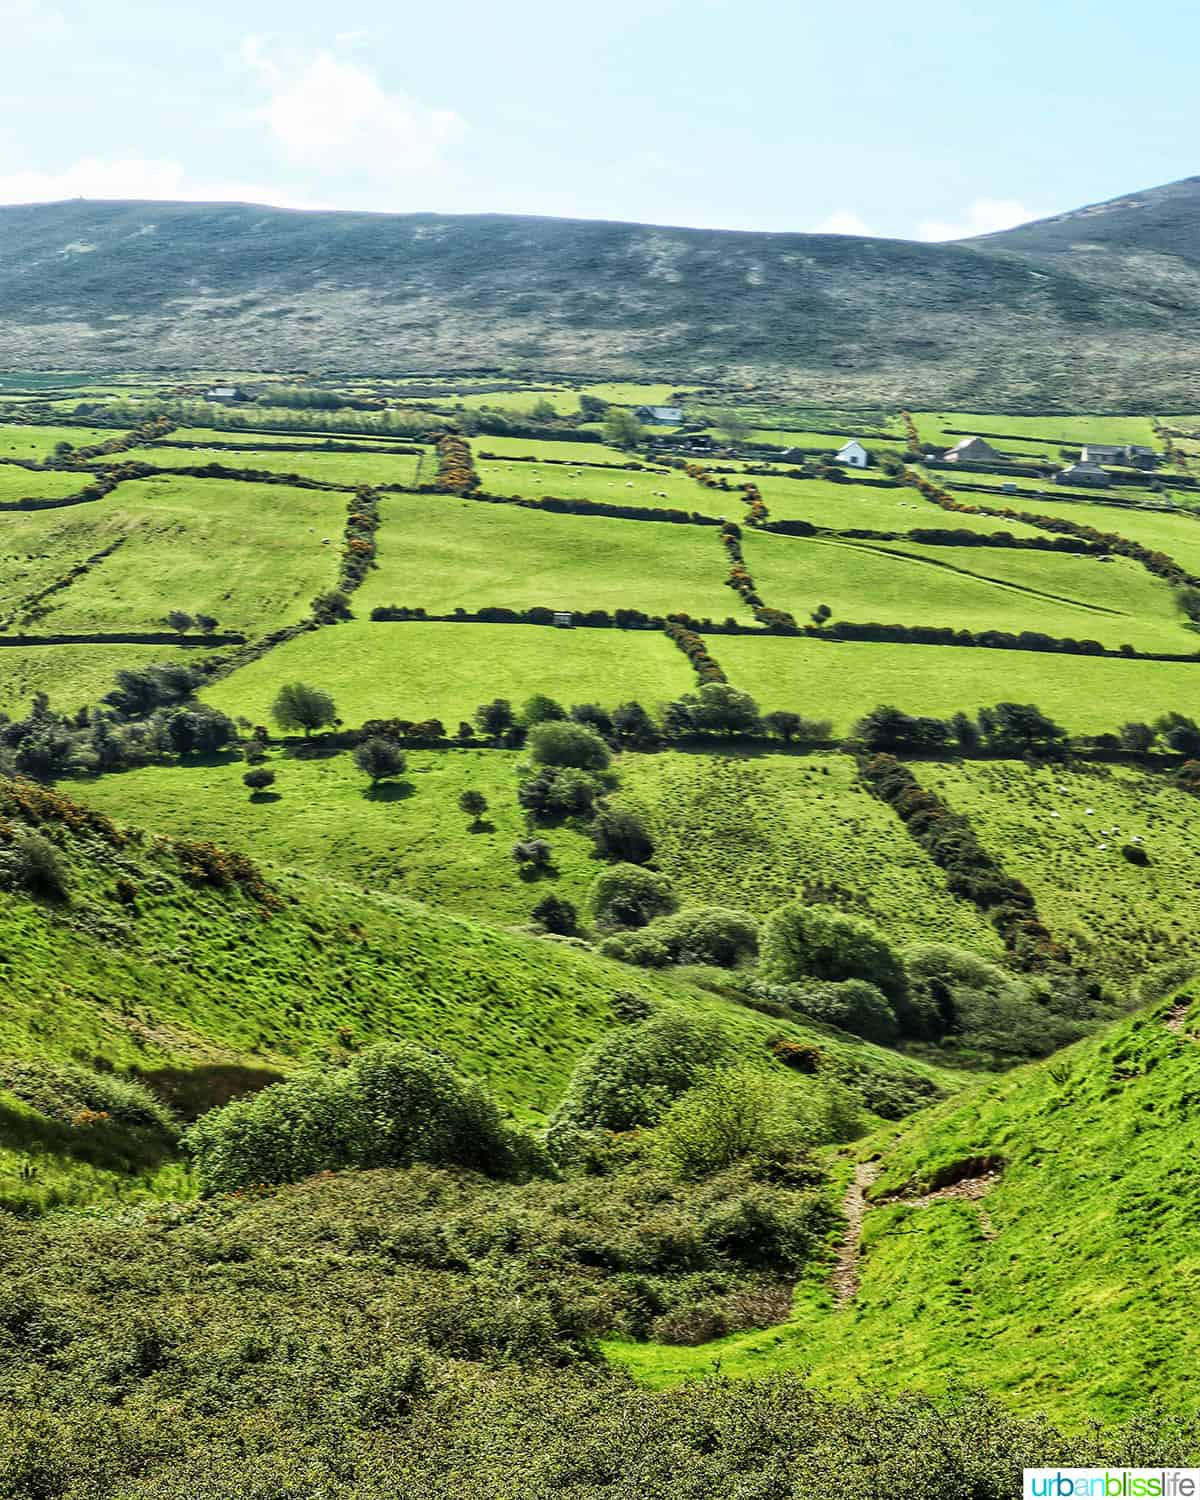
<point x="1101" y="846"/>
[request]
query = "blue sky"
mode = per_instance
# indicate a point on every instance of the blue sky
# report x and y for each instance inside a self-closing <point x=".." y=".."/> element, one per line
<point x="922" y="120"/>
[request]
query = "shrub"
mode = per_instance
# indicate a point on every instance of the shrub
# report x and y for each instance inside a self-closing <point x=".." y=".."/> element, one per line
<point x="533" y="854"/>
<point x="816" y="942"/>
<point x="37" y="866"/>
<point x="631" y="1076"/>
<point x="566" y="743"/>
<point x="630" y="896"/>
<point x="644" y="948"/>
<point x="474" y="804"/>
<point x="708" y="935"/>
<point x="854" y="1005"/>
<point x="379" y="758"/>
<point x="299" y="706"/>
<point x="620" y="835"/>
<point x="728" y="1115"/>
<point x="559" y="792"/>
<point x="395" y="1104"/>
<point x="539" y="709"/>
<point x="259" y="780"/>
<point x="556" y="915"/>
<point x="62" y="1092"/>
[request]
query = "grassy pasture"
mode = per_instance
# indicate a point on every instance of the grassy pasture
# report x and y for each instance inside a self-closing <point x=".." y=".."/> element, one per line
<point x="445" y="671"/>
<point x="609" y="486"/>
<point x="348" y="469"/>
<point x="1175" y="532"/>
<point x="1052" y="491"/>
<point x="576" y="453"/>
<point x="850" y="506"/>
<point x="1072" y="430"/>
<point x="39" y="443"/>
<point x="249" y="554"/>
<point x="1138" y="607"/>
<point x="1086" y="694"/>
<point x="443" y="553"/>
<point x="34" y="484"/>
<point x="1118" y="918"/>
<point x="903" y="583"/>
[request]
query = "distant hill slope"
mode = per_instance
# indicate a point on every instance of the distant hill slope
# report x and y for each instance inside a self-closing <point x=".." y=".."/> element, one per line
<point x="1098" y="308"/>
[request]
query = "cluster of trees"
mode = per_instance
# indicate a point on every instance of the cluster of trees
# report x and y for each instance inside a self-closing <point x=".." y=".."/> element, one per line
<point x="1007" y="728"/>
<point x="181" y="621"/>
<point x="392" y="422"/>
<point x="621" y="428"/>
<point x="971" y="871"/>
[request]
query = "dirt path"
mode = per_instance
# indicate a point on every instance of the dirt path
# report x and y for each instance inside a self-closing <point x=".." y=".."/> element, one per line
<point x="1175" y="1018"/>
<point x="845" y="1272"/>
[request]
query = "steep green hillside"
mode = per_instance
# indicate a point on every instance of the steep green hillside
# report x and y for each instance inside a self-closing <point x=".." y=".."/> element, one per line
<point x="1035" y="1236"/>
<point x="1048" y="314"/>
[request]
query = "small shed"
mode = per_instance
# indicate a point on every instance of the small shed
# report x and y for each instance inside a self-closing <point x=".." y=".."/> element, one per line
<point x="853" y="454"/>
<point x="659" y="416"/>
<point x="972" y="450"/>
<point x="564" y="618"/>
<point x="223" y="393"/>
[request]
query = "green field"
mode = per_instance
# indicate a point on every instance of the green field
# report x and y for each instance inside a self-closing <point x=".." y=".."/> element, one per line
<point x="71" y="675"/>
<point x="348" y="469"/>
<point x="1053" y="430"/>
<point x="39" y="443"/>
<point x="1062" y="832"/>
<point x="33" y="484"/>
<point x="844" y="681"/>
<point x="252" y="555"/>
<point x="443" y="553"/>
<point x="577" y="453"/>
<point x="850" y="507"/>
<point x="643" y="488"/>
<point x="415" y="671"/>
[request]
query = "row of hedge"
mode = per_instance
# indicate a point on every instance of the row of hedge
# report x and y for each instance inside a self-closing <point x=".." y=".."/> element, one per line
<point x="971" y="872"/>
<point x="741" y="582"/>
<point x="704" y="664"/>
<point x="456" y="471"/>
<point x="28" y="608"/>
<point x="358" y="548"/>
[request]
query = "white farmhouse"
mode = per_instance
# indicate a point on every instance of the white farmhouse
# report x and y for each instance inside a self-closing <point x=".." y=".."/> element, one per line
<point x="854" y="455"/>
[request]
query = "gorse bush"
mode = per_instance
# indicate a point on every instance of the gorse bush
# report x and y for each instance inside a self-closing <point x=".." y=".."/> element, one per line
<point x="35" y="865"/>
<point x="628" y="896"/>
<point x="395" y="1104"/>
<point x="563" y="742"/>
<point x="817" y="942"/>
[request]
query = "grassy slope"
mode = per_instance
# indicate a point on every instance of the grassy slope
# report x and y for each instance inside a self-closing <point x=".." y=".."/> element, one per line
<point x="846" y="507"/>
<point x="1083" y="1302"/>
<point x="34" y="484"/>
<point x="71" y="675"/>
<point x="415" y="670"/>
<point x="1119" y="917"/>
<point x="745" y="832"/>
<point x="845" y="681"/>
<point x="609" y="486"/>
<point x="330" y="468"/>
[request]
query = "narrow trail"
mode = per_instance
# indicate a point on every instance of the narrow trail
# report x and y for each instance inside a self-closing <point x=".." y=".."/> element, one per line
<point x="845" y="1272"/>
<point x="1175" y="1018"/>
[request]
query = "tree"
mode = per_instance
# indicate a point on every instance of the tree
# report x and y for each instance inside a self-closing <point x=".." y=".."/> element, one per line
<point x="258" y="780"/>
<point x="474" y="804"/>
<point x="1180" y="734"/>
<point x="543" y="410"/>
<point x="965" y="731"/>
<point x="783" y="724"/>
<point x="620" y="835"/>
<point x="730" y="1114"/>
<point x="735" y="427"/>
<point x="533" y="855"/>
<point x="180" y="620"/>
<point x="299" y="706"/>
<point x="1187" y="597"/>
<point x="495" y="718"/>
<point x="631" y="896"/>
<point x="820" y="614"/>
<point x="633" y="725"/>
<point x="556" y="915"/>
<point x="207" y="623"/>
<point x="592" y="408"/>
<point x="379" y="758"/>
<point x="817" y="942"/>
<point x="594" y="716"/>
<point x="541" y="710"/>
<point x="1021" y="726"/>
<point x="198" y="729"/>
<point x="621" y="428"/>
<point x="565" y="743"/>
<point x="720" y="708"/>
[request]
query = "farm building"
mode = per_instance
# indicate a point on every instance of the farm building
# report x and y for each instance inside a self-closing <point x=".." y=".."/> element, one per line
<point x="972" y="450"/>
<point x="224" y="393"/>
<point x="1102" y="453"/>
<point x="853" y="454"/>
<point x="659" y="416"/>
<point x="1083" y="473"/>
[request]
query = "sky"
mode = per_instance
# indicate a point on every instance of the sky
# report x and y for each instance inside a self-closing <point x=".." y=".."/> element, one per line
<point x="928" y="120"/>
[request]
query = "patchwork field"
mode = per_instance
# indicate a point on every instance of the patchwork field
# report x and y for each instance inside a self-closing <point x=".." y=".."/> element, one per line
<point x="416" y="671"/>
<point x="844" y="681"/>
<point x="443" y="553"/>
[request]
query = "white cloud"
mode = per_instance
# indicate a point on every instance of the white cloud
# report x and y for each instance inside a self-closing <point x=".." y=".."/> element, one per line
<point x="32" y="21"/>
<point x="327" y="112"/>
<point x="92" y="177"/>
<point x="985" y="216"/>
<point x="843" y="221"/>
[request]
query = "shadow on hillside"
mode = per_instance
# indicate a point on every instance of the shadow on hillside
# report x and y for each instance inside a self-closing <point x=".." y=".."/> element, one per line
<point x="190" y="1092"/>
<point x="483" y="826"/>
<point x="266" y="797"/>
<point x="389" y="791"/>
<point x="311" y="750"/>
<point x="100" y="1143"/>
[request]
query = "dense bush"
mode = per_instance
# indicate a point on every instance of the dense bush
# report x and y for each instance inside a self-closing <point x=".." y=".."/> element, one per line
<point x="644" y="948"/>
<point x="630" y="1076"/>
<point x="395" y="1104"/>
<point x="621" y="835"/>
<point x="729" y="1115"/>
<point x="562" y="742"/>
<point x="629" y="896"/>
<point x="33" y="864"/>
<point x="560" y="792"/>
<point x="818" y="942"/>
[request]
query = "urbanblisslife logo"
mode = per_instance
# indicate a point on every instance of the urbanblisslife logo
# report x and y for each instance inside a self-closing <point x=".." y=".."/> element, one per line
<point x="1112" y="1484"/>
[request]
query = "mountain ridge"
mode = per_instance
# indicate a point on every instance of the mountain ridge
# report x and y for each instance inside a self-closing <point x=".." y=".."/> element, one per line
<point x="1099" y="307"/>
